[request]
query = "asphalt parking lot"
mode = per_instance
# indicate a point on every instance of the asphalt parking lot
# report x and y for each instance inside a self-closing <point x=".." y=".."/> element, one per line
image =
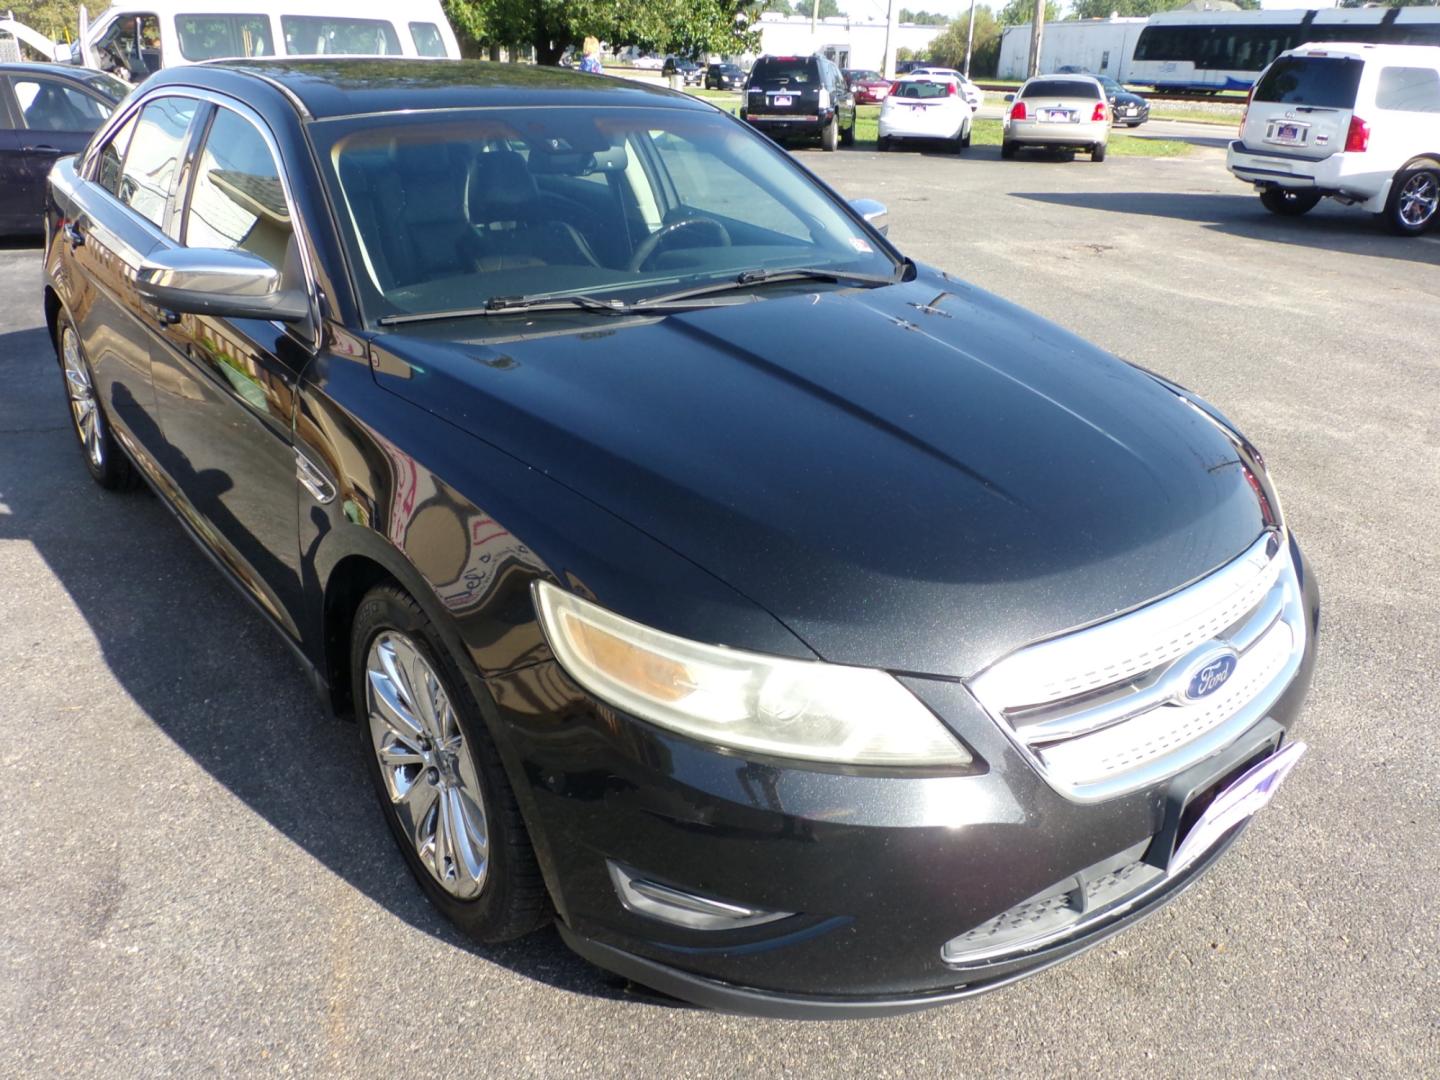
<point x="194" y="877"/>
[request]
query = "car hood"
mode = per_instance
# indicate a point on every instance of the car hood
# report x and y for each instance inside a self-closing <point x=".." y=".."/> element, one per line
<point x="920" y="477"/>
<point x="1124" y="97"/>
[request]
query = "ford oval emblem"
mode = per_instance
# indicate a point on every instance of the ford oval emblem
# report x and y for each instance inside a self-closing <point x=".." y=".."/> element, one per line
<point x="1213" y="672"/>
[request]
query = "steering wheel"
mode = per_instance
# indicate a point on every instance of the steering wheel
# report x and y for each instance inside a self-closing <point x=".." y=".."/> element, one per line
<point x="651" y="243"/>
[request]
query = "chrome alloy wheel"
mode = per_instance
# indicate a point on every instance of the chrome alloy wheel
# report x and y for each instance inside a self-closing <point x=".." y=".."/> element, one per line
<point x="1419" y="198"/>
<point x="429" y="774"/>
<point x="89" y="423"/>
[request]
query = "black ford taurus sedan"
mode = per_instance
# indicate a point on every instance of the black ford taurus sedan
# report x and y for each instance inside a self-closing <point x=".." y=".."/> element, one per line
<point x="803" y="630"/>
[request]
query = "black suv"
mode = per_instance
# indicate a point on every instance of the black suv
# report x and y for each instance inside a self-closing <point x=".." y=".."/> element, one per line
<point x="678" y="65"/>
<point x="790" y="96"/>
<point x="724" y="77"/>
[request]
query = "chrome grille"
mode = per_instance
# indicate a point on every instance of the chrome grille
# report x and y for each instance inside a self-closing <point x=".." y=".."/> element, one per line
<point x="1103" y="711"/>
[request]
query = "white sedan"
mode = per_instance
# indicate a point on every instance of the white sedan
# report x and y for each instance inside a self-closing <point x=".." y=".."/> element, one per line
<point x="929" y="107"/>
<point x="971" y="92"/>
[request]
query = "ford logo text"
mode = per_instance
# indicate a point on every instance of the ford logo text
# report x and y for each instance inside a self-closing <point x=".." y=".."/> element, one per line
<point x="1211" y="675"/>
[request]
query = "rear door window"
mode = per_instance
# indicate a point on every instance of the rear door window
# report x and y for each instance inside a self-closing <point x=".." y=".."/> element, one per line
<point x="428" y="41"/>
<point x="1407" y="89"/>
<point x="148" y="178"/>
<point x="112" y="157"/>
<point x="310" y="35"/>
<point x="53" y="105"/>
<point x="210" y="37"/>
<point x="1328" y="82"/>
<point x="1062" y="88"/>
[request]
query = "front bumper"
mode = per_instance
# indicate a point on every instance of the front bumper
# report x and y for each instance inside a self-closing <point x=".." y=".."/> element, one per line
<point x="880" y="872"/>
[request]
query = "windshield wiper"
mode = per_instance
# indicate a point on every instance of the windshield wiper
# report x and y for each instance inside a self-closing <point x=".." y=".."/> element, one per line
<point x="761" y="276"/>
<point x="509" y="305"/>
<point x="683" y="299"/>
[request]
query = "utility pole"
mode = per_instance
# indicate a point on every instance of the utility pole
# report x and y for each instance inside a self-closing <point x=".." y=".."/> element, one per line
<point x="1037" y="31"/>
<point x="814" y="18"/>
<point x="891" y="22"/>
<point x="970" y="39"/>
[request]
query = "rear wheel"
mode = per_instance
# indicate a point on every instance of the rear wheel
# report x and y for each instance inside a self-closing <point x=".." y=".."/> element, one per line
<point x="883" y="144"/>
<point x="1414" y="200"/>
<point x="830" y="137"/>
<point x="442" y="788"/>
<point x="1097" y="152"/>
<point x="107" y="463"/>
<point x="1288" y="202"/>
<point x="1007" y="149"/>
<point x="847" y="135"/>
<point x="965" y="139"/>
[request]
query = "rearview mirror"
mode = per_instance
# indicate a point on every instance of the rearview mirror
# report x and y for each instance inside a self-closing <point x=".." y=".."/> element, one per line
<point x="217" y="281"/>
<point x="1009" y="98"/>
<point x="876" y="213"/>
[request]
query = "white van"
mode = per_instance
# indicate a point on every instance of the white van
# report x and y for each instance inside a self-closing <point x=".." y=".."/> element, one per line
<point x="1358" y="123"/>
<point x="133" y="41"/>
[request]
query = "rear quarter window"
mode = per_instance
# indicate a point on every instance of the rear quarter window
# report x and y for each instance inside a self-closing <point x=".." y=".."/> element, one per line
<point x="1063" y="88"/>
<point x="1329" y="82"/>
<point x="1406" y="89"/>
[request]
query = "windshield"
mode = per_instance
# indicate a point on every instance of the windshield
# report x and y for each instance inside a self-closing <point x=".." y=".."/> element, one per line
<point x="458" y="209"/>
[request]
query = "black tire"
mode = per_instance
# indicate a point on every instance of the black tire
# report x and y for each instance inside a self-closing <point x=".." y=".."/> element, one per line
<point x="969" y="132"/>
<point x="104" y="457"/>
<point x="1288" y="202"/>
<point x="847" y="135"/>
<point x="830" y="136"/>
<point x="1007" y="149"/>
<point x="1414" y="202"/>
<point x="1097" y="152"/>
<point x="513" y="900"/>
<point x="883" y="145"/>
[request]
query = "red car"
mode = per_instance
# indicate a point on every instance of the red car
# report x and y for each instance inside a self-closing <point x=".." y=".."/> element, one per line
<point x="871" y="88"/>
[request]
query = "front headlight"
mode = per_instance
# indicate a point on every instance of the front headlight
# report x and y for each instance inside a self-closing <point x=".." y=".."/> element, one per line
<point x="747" y="701"/>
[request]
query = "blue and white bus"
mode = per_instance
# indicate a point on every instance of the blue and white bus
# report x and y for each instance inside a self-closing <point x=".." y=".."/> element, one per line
<point x="1226" y="50"/>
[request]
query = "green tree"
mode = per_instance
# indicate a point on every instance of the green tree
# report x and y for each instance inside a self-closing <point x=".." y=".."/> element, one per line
<point x="923" y="18"/>
<point x="54" y="18"/>
<point x="829" y="9"/>
<point x="550" y="26"/>
<point x="948" y="48"/>
<point x="1020" y="12"/>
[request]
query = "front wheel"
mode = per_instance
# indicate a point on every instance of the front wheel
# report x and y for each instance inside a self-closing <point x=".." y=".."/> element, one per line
<point x="107" y="463"/>
<point x="1414" y="200"/>
<point x="830" y="137"/>
<point x="1288" y="202"/>
<point x="442" y="788"/>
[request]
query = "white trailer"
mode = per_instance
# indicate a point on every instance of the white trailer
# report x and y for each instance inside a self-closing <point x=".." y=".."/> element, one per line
<point x="1100" y="46"/>
<point x="133" y="40"/>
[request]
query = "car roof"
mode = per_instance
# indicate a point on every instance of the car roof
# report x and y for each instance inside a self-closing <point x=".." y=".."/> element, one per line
<point x="1420" y="55"/>
<point x="323" y="88"/>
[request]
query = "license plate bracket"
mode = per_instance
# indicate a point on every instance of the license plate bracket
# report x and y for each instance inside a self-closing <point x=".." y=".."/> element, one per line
<point x="1056" y="116"/>
<point x="1290" y="134"/>
<point x="782" y="99"/>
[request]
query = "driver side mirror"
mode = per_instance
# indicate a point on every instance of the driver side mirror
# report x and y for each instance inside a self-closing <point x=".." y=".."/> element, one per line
<point x="217" y="281"/>
<point x="1009" y="98"/>
<point x="876" y="213"/>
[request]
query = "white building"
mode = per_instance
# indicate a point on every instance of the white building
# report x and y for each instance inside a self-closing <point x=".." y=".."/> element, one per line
<point x="1098" y="45"/>
<point x="850" y="42"/>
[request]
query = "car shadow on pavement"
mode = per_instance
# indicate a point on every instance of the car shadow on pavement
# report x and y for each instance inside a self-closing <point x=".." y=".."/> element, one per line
<point x="1334" y="228"/>
<point x="209" y="672"/>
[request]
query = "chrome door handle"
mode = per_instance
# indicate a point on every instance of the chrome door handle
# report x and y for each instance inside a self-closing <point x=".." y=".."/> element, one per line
<point x="74" y="235"/>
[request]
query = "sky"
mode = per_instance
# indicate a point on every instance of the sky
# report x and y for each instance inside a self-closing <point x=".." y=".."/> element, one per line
<point x="877" y="8"/>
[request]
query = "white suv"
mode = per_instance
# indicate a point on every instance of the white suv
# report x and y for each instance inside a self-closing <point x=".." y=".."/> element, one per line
<point x="1359" y="123"/>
